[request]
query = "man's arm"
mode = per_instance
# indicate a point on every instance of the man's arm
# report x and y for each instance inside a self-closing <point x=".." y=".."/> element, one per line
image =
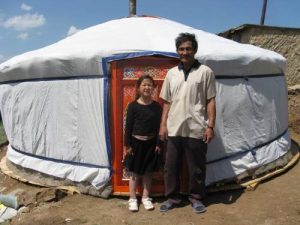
<point x="163" y="132"/>
<point x="211" y="113"/>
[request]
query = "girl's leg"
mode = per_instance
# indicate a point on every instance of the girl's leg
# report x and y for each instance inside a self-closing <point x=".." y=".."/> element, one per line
<point x="132" y="203"/>
<point x="132" y="185"/>
<point x="147" y="182"/>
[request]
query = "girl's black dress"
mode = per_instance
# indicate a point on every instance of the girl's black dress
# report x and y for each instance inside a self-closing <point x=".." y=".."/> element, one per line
<point x="143" y="120"/>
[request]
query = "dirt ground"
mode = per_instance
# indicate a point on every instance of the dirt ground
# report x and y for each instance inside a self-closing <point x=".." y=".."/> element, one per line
<point x="274" y="202"/>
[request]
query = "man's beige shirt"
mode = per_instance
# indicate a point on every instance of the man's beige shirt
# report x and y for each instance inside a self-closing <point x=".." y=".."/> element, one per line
<point x="188" y="113"/>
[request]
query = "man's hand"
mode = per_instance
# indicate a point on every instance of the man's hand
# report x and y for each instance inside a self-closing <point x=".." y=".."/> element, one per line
<point x="208" y="135"/>
<point x="211" y="113"/>
<point x="163" y="133"/>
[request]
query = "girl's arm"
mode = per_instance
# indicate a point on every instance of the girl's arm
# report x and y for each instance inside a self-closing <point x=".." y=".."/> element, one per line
<point x="163" y="133"/>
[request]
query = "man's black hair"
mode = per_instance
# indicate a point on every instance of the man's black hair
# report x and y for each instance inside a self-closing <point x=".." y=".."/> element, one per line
<point x="183" y="37"/>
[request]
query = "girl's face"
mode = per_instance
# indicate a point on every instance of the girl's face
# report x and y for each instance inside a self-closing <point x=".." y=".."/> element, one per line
<point x="146" y="88"/>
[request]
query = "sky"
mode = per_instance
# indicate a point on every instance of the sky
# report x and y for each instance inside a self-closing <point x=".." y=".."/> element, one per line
<point x="27" y="25"/>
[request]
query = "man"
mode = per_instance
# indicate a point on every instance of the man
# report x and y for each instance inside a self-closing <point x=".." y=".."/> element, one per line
<point x="188" y="121"/>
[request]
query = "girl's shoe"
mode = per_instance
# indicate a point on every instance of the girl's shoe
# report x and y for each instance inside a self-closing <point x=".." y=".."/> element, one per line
<point x="147" y="202"/>
<point x="133" y="205"/>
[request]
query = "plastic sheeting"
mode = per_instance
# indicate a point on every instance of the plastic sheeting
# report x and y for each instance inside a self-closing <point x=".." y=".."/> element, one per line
<point x="80" y="54"/>
<point x="61" y="121"/>
<point x="250" y="112"/>
<point x="229" y="168"/>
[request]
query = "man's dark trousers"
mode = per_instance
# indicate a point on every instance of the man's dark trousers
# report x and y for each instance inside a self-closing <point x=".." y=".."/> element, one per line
<point x="195" y="152"/>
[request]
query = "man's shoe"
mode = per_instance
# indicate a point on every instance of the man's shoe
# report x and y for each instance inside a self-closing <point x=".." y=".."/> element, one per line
<point x="133" y="205"/>
<point x="166" y="206"/>
<point x="198" y="207"/>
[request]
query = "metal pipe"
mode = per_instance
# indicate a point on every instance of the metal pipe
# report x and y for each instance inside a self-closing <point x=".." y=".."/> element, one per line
<point x="263" y="13"/>
<point x="132" y="7"/>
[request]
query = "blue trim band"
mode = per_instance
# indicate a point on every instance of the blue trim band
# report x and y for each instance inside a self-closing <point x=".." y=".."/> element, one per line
<point x="60" y="160"/>
<point x="252" y="150"/>
<point x="106" y="118"/>
<point x="128" y="56"/>
<point x="249" y="76"/>
<point x="135" y="55"/>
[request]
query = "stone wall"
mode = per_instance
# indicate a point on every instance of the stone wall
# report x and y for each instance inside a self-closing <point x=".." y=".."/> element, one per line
<point x="285" y="41"/>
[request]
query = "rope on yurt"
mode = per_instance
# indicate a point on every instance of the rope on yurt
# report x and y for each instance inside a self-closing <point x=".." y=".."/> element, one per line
<point x="10" y="173"/>
<point x="252" y="150"/>
<point x="248" y="77"/>
<point x="60" y="160"/>
<point x="252" y="184"/>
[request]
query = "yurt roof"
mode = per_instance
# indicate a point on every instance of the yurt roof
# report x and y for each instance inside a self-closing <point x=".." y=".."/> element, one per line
<point x="81" y="54"/>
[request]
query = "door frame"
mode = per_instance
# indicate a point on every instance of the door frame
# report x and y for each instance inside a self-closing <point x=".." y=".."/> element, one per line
<point x="117" y="81"/>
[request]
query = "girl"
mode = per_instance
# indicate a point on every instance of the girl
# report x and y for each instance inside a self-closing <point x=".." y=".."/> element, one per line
<point x="141" y="141"/>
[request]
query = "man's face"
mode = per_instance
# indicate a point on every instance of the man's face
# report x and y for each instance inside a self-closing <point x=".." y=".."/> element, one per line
<point x="186" y="52"/>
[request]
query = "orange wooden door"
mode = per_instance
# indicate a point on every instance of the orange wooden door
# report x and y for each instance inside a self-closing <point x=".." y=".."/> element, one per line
<point x="124" y="76"/>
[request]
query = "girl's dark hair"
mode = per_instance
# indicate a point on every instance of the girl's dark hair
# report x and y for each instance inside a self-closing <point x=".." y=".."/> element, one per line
<point x="183" y="37"/>
<point x="139" y="82"/>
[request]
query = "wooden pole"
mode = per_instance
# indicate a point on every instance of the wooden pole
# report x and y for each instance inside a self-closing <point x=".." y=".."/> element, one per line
<point x="263" y="12"/>
<point x="132" y="7"/>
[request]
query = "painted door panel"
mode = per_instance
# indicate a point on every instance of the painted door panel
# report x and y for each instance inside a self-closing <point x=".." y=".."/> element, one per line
<point x="124" y="76"/>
